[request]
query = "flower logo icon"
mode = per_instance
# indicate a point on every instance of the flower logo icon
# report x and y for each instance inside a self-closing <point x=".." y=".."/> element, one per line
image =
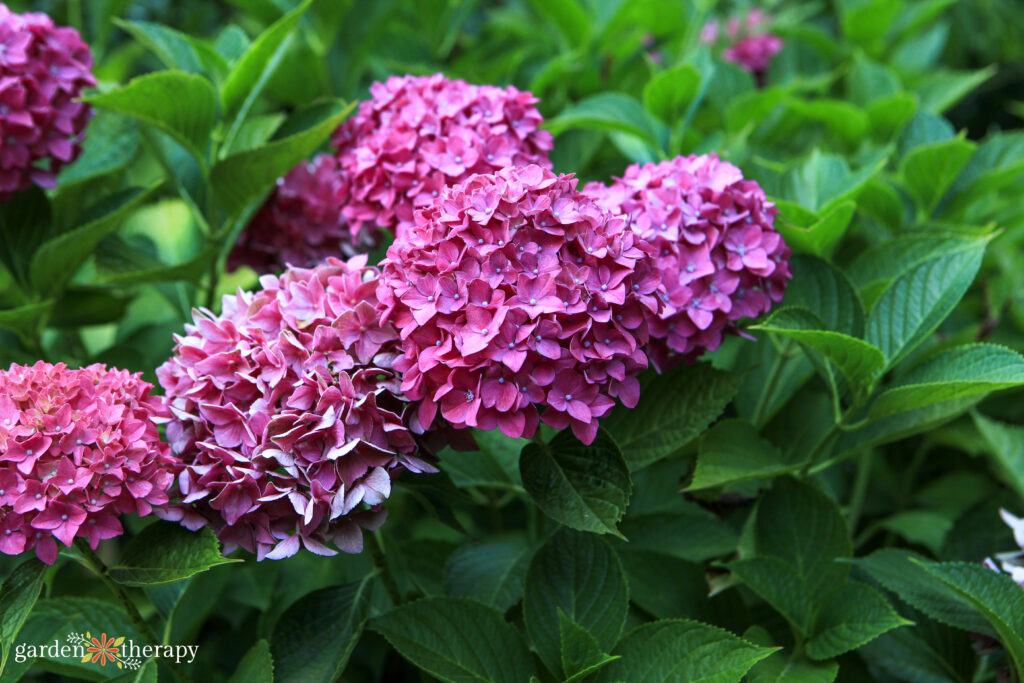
<point x="103" y="649"/>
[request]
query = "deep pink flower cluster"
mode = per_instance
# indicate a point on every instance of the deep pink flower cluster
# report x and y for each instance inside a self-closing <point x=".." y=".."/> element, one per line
<point x="712" y="255"/>
<point x="420" y="133"/>
<point x="301" y="223"/>
<point x="510" y="294"/>
<point x="78" y="448"/>
<point x="288" y="414"/>
<point x="750" y="45"/>
<point x="43" y="69"/>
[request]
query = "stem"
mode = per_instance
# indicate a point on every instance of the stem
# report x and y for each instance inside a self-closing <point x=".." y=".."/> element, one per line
<point x="778" y="365"/>
<point x="376" y="547"/>
<point x="96" y="565"/>
<point x="860" y="487"/>
<point x="211" y="293"/>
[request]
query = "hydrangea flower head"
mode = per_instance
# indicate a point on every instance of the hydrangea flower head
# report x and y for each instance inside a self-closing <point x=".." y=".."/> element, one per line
<point x="78" y="448"/>
<point x="750" y="45"/>
<point x="418" y="134"/>
<point x="301" y="223"/>
<point x="288" y="415"/>
<point x="712" y="254"/>
<point x="510" y="295"/>
<point x="43" y="70"/>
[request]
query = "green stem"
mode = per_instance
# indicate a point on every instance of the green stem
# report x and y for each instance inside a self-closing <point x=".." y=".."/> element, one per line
<point x="376" y="547"/>
<point x="763" y="399"/>
<point x="91" y="560"/>
<point x="860" y="488"/>
<point x="211" y="292"/>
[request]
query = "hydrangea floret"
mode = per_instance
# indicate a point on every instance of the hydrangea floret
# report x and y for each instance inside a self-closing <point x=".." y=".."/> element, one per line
<point x="418" y="134"/>
<point x="1011" y="562"/>
<point x="510" y="296"/>
<point x="301" y="223"/>
<point x="78" y="448"/>
<point x="750" y="44"/>
<point x="711" y="252"/>
<point x="288" y="414"/>
<point x="43" y="70"/>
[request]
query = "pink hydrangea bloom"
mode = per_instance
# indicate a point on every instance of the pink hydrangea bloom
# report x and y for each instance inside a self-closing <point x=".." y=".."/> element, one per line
<point x="301" y="223"/>
<point x="288" y="414"/>
<point x="510" y="295"/>
<point x="43" y="70"/>
<point x="712" y="254"/>
<point x="78" y="448"/>
<point x="420" y="133"/>
<point x="750" y="46"/>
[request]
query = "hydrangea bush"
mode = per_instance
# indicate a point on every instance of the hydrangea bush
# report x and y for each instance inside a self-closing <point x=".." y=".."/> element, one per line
<point x="509" y="342"/>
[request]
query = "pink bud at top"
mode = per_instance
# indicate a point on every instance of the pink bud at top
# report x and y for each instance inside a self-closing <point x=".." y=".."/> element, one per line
<point x="78" y="448"/>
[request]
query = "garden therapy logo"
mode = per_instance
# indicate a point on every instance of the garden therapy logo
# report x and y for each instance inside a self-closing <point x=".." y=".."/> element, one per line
<point x="103" y="649"/>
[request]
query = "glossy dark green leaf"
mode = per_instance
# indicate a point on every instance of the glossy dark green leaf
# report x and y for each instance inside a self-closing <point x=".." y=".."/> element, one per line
<point x="164" y="553"/>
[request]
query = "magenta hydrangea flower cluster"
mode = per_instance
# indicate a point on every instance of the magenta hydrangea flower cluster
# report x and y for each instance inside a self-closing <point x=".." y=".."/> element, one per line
<point x="711" y="252"/>
<point x="43" y="70"/>
<point x="288" y="415"/>
<point x="750" y="44"/>
<point x="78" y="448"/>
<point x="510" y="295"/>
<point x="301" y="223"/>
<point x="418" y="134"/>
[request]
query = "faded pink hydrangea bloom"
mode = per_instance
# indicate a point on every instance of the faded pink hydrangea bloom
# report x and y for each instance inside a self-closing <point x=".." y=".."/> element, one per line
<point x="43" y="70"/>
<point x="301" y="223"/>
<point x="78" y="448"/>
<point x="420" y="133"/>
<point x="750" y="44"/>
<point x="288" y="414"/>
<point x="510" y="295"/>
<point x="712" y="254"/>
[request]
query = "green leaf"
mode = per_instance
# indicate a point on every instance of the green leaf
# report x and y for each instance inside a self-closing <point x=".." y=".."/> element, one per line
<point x="608" y="111"/>
<point x="940" y="89"/>
<point x="865" y="22"/>
<point x="732" y="451"/>
<point x="244" y="177"/>
<point x="257" y="666"/>
<point x="111" y="143"/>
<point x="18" y="594"/>
<point x="495" y="465"/>
<point x="852" y="615"/>
<point x="457" y="640"/>
<point x="189" y="271"/>
<point x="914" y="304"/>
<point x="777" y="669"/>
<point x="678" y="650"/>
<point x="962" y="371"/>
<point x="930" y="170"/>
<point x="25" y="319"/>
<point x="677" y="406"/>
<point x="903" y="572"/>
<point x="26" y="219"/>
<point x="900" y="426"/>
<point x="782" y="586"/>
<point x="583" y="487"/>
<point x="824" y="181"/>
<point x="929" y="653"/>
<point x="800" y="525"/>
<point x="1006" y="447"/>
<point x="994" y="595"/>
<point x="687" y="531"/>
<point x="182" y="105"/>
<point x="254" y="69"/>
<point x="581" y="655"/>
<point x="314" y="638"/>
<point x="845" y="120"/>
<point x="822" y="235"/>
<point x="57" y="259"/>
<point x="860" y="362"/>
<point x="165" y="553"/>
<point x="889" y="115"/>
<point x="923" y="527"/>
<point x="827" y="291"/>
<point x="491" y="571"/>
<point x="172" y="47"/>
<point x="568" y="17"/>
<point x="669" y="93"/>
<point x="578" y="576"/>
